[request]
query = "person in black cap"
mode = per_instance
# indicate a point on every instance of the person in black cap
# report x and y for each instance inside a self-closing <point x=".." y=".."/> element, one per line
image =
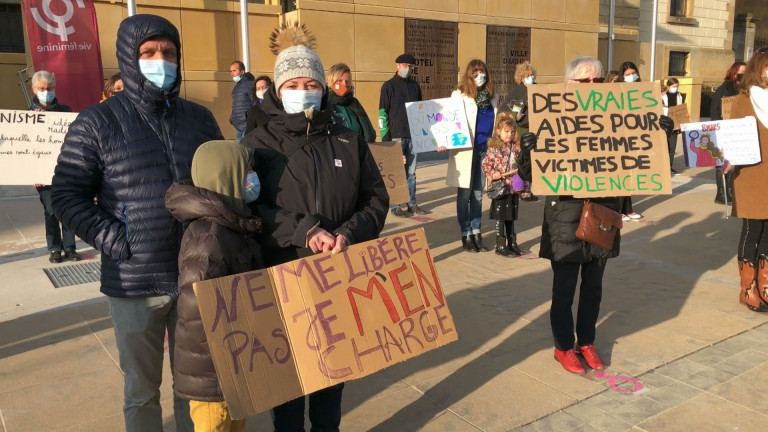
<point x="393" y="124"/>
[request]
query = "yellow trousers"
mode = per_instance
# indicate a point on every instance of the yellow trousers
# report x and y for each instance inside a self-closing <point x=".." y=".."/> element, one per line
<point x="213" y="417"/>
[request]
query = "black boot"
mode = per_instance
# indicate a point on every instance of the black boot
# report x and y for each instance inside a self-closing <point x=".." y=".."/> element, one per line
<point x="720" y="195"/>
<point x="501" y="240"/>
<point x="512" y="239"/>
<point x="468" y="244"/>
<point x="478" y="240"/>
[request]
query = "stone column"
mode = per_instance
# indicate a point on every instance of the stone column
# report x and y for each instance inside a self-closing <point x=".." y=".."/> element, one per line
<point x="743" y="36"/>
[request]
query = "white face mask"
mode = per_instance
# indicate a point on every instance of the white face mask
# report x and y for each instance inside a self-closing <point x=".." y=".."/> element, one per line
<point x="260" y="94"/>
<point x="631" y="78"/>
<point x="296" y="101"/>
<point x="673" y="90"/>
<point x="404" y="72"/>
<point x="529" y="80"/>
<point x="480" y="79"/>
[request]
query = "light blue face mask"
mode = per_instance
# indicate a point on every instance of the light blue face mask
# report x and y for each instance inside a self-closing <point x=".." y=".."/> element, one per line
<point x="252" y="187"/>
<point x="45" y="96"/>
<point x="296" y="101"/>
<point x="631" y="78"/>
<point x="161" y="73"/>
<point x="237" y="78"/>
<point x="529" y="80"/>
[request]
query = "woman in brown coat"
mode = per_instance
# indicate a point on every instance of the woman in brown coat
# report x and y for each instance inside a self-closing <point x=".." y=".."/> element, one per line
<point x="749" y="184"/>
<point x="219" y="241"/>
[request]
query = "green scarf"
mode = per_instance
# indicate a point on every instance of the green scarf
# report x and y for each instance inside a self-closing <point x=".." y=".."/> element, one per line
<point x="483" y="99"/>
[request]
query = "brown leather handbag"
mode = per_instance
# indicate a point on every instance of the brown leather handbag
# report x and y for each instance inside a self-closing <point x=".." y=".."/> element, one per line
<point x="598" y="225"/>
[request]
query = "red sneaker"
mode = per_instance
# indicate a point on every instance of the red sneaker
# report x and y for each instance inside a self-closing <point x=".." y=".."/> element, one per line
<point x="570" y="362"/>
<point x="590" y="355"/>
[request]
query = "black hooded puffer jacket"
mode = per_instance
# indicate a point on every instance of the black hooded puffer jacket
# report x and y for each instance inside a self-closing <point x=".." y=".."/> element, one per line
<point x="126" y="152"/>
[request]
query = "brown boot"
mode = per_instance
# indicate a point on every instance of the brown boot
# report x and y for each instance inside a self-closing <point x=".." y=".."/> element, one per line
<point x="762" y="278"/>
<point x="749" y="293"/>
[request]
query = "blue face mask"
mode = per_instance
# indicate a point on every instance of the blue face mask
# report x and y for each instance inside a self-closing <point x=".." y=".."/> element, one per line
<point x="529" y="80"/>
<point x="161" y="73"/>
<point x="252" y="187"/>
<point x="237" y="79"/>
<point x="45" y="96"/>
<point x="296" y="101"/>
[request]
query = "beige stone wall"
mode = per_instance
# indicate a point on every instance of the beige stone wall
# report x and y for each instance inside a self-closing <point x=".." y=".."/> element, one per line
<point x="706" y="34"/>
<point x="366" y="34"/>
<point x="561" y="30"/>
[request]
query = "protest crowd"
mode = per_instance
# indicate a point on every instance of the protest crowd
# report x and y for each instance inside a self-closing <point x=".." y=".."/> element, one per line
<point x="148" y="180"/>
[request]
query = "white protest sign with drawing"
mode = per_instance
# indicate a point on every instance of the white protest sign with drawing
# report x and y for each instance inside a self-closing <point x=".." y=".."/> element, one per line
<point x="708" y="144"/>
<point x="438" y="123"/>
<point x="30" y="142"/>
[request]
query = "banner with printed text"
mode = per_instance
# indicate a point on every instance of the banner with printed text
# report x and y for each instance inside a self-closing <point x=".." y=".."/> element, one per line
<point x="64" y="39"/>
<point x="438" y="123"/>
<point x="598" y="140"/>
<point x="30" y="143"/>
<point x="302" y="326"/>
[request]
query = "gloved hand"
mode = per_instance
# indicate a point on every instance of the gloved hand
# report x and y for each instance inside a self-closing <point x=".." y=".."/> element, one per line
<point x="528" y="141"/>
<point x="527" y="144"/>
<point x="667" y="124"/>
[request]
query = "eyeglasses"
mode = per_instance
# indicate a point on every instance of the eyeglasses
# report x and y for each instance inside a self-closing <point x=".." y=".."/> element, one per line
<point x="589" y="80"/>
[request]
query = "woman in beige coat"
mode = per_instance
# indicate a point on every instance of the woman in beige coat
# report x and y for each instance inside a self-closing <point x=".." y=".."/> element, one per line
<point x="749" y="202"/>
<point x="464" y="166"/>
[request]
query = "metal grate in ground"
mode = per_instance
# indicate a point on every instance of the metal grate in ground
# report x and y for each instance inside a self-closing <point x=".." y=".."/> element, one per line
<point x="74" y="274"/>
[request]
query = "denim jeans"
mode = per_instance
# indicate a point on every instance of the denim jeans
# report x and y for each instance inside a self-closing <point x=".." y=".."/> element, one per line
<point x="140" y="325"/>
<point x="239" y="135"/>
<point x="324" y="412"/>
<point x="469" y="201"/>
<point x="410" y="170"/>
<point x="57" y="235"/>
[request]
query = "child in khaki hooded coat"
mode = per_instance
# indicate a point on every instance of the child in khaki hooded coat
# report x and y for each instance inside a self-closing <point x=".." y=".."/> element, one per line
<point x="219" y="241"/>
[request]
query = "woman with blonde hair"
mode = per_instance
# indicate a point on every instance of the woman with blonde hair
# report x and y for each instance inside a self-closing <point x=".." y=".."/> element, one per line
<point x="465" y="165"/>
<point x="348" y="109"/>
<point x="516" y="101"/>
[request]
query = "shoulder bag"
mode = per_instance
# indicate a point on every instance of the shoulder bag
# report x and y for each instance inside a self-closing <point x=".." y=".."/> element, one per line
<point x="598" y="225"/>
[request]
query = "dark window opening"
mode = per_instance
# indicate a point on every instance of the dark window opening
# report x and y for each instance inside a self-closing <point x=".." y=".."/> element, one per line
<point x="678" y="8"/>
<point x="678" y="63"/>
<point x="11" y="29"/>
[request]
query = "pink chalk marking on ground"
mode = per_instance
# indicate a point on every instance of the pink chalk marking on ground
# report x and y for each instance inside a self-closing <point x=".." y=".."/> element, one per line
<point x="612" y="380"/>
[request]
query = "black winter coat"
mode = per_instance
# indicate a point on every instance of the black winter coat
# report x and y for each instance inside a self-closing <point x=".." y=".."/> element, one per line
<point x="558" y="231"/>
<point x="313" y="172"/>
<point x="217" y="243"/>
<point x="126" y="152"/>
<point x="727" y="89"/>
<point x="242" y="100"/>
<point x="53" y="106"/>
<point x="395" y="92"/>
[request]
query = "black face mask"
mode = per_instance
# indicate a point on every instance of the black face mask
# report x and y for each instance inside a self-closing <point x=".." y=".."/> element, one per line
<point x="739" y="77"/>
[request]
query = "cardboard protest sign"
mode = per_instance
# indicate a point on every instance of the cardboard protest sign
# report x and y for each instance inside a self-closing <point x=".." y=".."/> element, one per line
<point x="389" y="159"/>
<point x="305" y="325"/>
<point x="708" y="144"/>
<point x="30" y="143"/>
<point x="725" y="106"/>
<point x="598" y="140"/>
<point x="438" y="122"/>
<point x="679" y="114"/>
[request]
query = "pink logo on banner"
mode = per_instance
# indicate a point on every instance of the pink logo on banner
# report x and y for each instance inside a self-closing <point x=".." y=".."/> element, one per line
<point x="64" y="39"/>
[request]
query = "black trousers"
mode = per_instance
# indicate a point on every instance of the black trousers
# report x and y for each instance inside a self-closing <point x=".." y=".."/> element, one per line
<point x="672" y="147"/>
<point x="58" y="236"/>
<point x="324" y="412"/>
<point x="753" y="241"/>
<point x="566" y="276"/>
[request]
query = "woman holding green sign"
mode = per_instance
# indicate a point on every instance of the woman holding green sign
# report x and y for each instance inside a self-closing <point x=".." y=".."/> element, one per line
<point x="465" y="165"/>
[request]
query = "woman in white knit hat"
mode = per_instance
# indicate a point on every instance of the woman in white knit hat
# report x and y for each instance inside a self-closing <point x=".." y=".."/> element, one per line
<point x="321" y="190"/>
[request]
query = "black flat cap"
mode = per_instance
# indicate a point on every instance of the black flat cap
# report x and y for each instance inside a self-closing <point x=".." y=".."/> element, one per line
<point x="405" y="58"/>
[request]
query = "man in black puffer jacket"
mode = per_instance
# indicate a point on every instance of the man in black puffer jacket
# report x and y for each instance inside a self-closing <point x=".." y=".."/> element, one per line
<point x="243" y="97"/>
<point x="126" y="152"/>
